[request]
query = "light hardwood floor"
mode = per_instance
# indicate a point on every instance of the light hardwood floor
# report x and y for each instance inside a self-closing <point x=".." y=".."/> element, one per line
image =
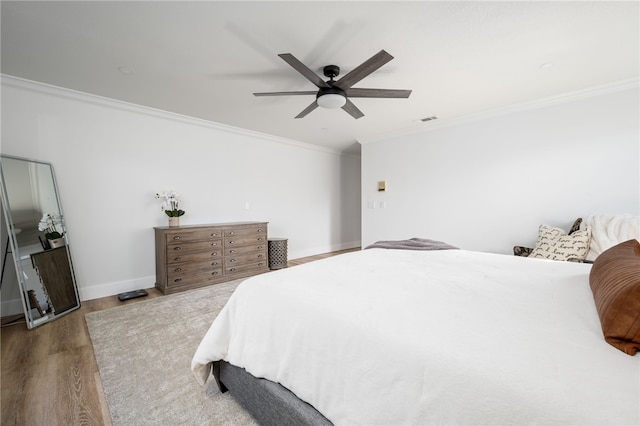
<point x="50" y="375"/>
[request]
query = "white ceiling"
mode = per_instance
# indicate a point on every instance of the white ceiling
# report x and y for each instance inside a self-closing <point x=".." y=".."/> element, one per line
<point x="205" y="59"/>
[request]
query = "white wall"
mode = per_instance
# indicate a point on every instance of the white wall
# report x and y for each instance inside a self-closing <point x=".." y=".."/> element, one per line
<point x="11" y="304"/>
<point x="110" y="158"/>
<point x="487" y="184"/>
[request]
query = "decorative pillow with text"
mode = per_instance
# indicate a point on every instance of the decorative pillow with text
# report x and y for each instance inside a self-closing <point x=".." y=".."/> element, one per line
<point x="526" y="251"/>
<point x="555" y="244"/>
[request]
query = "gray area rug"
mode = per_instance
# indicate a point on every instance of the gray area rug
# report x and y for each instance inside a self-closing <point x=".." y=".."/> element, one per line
<point x="144" y="353"/>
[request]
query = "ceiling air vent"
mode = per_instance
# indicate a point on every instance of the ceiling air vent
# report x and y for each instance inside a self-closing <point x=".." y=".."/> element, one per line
<point x="433" y="117"/>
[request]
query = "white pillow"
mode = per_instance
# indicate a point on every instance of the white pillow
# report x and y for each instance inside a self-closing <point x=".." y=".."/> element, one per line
<point x="610" y="230"/>
<point x="554" y="243"/>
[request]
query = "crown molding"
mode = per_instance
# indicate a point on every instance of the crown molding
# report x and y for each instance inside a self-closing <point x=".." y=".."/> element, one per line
<point x="78" y="96"/>
<point x="617" y="86"/>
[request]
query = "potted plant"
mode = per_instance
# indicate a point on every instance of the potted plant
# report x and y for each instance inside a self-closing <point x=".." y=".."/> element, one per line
<point x="48" y="224"/>
<point x="171" y="206"/>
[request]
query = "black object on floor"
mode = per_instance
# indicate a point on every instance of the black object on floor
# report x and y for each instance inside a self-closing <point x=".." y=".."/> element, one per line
<point x="132" y="294"/>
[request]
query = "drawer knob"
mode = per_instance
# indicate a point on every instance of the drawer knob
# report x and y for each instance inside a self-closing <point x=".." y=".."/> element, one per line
<point x="177" y="258"/>
<point x="232" y="269"/>
<point x="232" y="260"/>
<point x="178" y="269"/>
<point x="232" y="251"/>
<point x="177" y="248"/>
<point x="259" y="255"/>
<point x="215" y="253"/>
<point x="214" y="273"/>
<point x="214" y="244"/>
<point x="177" y="280"/>
<point x="214" y="235"/>
<point x="230" y="242"/>
<point x="259" y="239"/>
<point x="214" y="263"/>
<point x="177" y="237"/>
<point x="259" y="247"/>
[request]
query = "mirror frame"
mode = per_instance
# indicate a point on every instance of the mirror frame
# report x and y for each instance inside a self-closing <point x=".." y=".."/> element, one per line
<point x="15" y="248"/>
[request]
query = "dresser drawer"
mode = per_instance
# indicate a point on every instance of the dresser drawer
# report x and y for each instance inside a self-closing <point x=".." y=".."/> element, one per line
<point x="235" y="251"/>
<point x="256" y="257"/>
<point x="202" y="268"/>
<point x="242" y="269"/>
<point x="188" y="247"/>
<point x="187" y="256"/>
<point x="195" y="279"/>
<point x="243" y="240"/>
<point x="245" y="230"/>
<point x="188" y="235"/>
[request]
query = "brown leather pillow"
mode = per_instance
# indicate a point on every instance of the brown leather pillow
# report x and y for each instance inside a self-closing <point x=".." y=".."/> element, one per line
<point x="615" y="283"/>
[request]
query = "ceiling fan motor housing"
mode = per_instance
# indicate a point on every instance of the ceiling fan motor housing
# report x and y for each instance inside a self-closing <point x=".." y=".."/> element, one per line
<point x="333" y="90"/>
<point x="331" y="71"/>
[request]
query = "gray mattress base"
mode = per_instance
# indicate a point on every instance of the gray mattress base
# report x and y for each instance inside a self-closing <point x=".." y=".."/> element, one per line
<point x="268" y="402"/>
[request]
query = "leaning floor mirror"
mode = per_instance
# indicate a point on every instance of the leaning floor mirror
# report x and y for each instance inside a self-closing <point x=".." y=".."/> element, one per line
<point x="37" y="271"/>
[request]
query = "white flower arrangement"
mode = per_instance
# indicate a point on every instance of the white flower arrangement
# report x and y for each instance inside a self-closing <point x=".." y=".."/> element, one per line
<point x="48" y="225"/>
<point x="170" y="203"/>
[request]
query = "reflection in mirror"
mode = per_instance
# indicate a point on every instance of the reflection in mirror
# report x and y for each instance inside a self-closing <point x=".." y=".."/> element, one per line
<point x="35" y="237"/>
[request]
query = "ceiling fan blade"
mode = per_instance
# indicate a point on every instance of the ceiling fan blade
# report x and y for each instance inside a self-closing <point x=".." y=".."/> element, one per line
<point x="364" y="69"/>
<point x="377" y="93"/>
<point x="285" y="93"/>
<point x="307" y="110"/>
<point x="352" y="110"/>
<point x="303" y="69"/>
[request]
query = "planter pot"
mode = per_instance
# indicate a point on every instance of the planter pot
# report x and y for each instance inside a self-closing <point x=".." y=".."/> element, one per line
<point x="58" y="242"/>
<point x="174" y="221"/>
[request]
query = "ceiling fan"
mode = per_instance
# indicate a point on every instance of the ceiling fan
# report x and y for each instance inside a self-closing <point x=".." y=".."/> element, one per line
<point x="336" y="93"/>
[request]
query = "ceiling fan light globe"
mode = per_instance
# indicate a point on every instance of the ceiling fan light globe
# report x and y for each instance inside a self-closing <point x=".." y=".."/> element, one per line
<point x="331" y="101"/>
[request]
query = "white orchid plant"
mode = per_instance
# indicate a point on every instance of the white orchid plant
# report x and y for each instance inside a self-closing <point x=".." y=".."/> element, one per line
<point x="170" y="203"/>
<point x="48" y="225"/>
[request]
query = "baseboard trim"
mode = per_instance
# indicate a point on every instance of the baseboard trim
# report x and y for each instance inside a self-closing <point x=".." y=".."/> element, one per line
<point x="11" y="307"/>
<point x="113" y="288"/>
<point x="323" y="250"/>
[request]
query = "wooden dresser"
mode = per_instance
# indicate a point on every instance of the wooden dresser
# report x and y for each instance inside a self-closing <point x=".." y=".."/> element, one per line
<point x="195" y="256"/>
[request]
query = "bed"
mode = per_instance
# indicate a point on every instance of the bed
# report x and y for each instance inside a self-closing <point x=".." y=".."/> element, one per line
<point x="390" y="337"/>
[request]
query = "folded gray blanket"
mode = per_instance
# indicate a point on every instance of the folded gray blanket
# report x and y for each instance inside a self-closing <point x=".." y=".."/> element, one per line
<point x="412" y="244"/>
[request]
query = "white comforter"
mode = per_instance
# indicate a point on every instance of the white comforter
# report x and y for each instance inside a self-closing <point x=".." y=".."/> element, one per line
<point x="390" y="337"/>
